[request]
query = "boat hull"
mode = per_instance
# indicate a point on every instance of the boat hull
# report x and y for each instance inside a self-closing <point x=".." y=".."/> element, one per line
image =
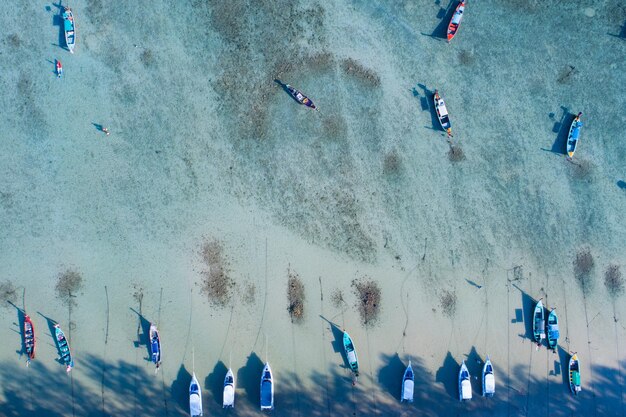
<point x="195" y="397"/>
<point x="29" y="338"/>
<point x="574" y="136"/>
<point x="69" y="27"/>
<point x="465" y="385"/>
<point x="574" y="374"/>
<point x="455" y="22"/>
<point x="442" y="113"/>
<point x="267" y="389"/>
<point x="155" y="345"/>
<point x="350" y="351"/>
<point x="228" y="397"/>
<point x="408" y="385"/>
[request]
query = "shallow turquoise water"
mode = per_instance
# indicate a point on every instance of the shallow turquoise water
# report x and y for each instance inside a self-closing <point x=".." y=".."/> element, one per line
<point x="201" y="134"/>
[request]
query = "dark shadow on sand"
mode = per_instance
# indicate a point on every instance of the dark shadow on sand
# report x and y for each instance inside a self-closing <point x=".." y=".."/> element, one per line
<point x="20" y="326"/>
<point x="528" y="308"/>
<point x="180" y="388"/>
<point x="426" y="102"/>
<point x="337" y="342"/>
<point x="390" y="375"/>
<point x="249" y="378"/>
<point x="474" y="365"/>
<point x="286" y="90"/>
<point x="448" y="375"/>
<point x="214" y="382"/>
<point x="561" y="128"/>
<point x="57" y="20"/>
<point x="143" y="334"/>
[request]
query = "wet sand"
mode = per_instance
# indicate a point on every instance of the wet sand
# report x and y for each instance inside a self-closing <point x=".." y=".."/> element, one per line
<point x="206" y="147"/>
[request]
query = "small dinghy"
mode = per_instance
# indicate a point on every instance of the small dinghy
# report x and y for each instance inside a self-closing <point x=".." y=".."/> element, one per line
<point x="489" y="381"/>
<point x="300" y="98"/>
<point x="539" y="324"/>
<point x="29" y="339"/>
<point x="553" y="330"/>
<point x="229" y="390"/>
<point x="155" y="346"/>
<point x="69" y="28"/>
<point x="195" y="397"/>
<point x="465" y="385"/>
<point x="59" y="68"/>
<point x="574" y="374"/>
<point x="408" y="382"/>
<point x="574" y="134"/>
<point x="348" y="347"/>
<point x="453" y="27"/>
<point x="267" y="389"/>
<point x="64" y="348"/>
<point x="442" y="113"/>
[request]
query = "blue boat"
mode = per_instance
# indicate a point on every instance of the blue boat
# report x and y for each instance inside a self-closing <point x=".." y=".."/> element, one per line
<point x="348" y="347"/>
<point x="553" y="330"/>
<point x="69" y="27"/>
<point x="300" y="98"/>
<point x="64" y="348"/>
<point x="574" y="135"/>
<point x="267" y="389"/>
<point x="155" y="346"/>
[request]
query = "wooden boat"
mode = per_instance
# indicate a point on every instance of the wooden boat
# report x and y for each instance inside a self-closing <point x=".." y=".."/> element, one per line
<point x="442" y="113"/>
<point x="195" y="397"/>
<point x="453" y="27"/>
<point x="229" y="390"/>
<point x="64" y="348"/>
<point x="574" y="135"/>
<point x="29" y="339"/>
<point x="59" y="68"/>
<point x="348" y="346"/>
<point x="155" y="345"/>
<point x="300" y="98"/>
<point x="539" y="324"/>
<point x="408" y="383"/>
<point x="69" y="27"/>
<point x="489" y="380"/>
<point x="267" y="388"/>
<point x="574" y="374"/>
<point x="553" y="330"/>
<point x="465" y="384"/>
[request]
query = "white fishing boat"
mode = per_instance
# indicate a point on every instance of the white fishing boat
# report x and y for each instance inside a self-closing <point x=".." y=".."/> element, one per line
<point x="267" y="388"/>
<point x="195" y="397"/>
<point x="408" y="382"/>
<point x="465" y="384"/>
<point x="229" y="390"/>
<point x="489" y="380"/>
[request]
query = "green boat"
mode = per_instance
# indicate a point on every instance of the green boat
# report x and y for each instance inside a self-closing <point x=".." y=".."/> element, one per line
<point x="574" y="374"/>
<point x="348" y="346"/>
<point x="553" y="330"/>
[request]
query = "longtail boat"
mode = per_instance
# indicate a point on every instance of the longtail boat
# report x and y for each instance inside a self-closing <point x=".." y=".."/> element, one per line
<point x="455" y="22"/>
<point x="29" y="339"/>
<point x="574" y="135"/>
<point x="300" y="98"/>
<point x="155" y="346"/>
<point x="553" y="330"/>
<point x="69" y="27"/>
<point x="442" y="113"/>
<point x="348" y="346"/>
<point x="539" y="323"/>
<point x="64" y="348"/>
<point x="574" y="374"/>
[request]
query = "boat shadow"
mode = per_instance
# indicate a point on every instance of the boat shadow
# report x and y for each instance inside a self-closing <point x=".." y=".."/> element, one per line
<point x="528" y="309"/>
<point x="622" y="34"/>
<point x="143" y="334"/>
<point x="474" y="365"/>
<point x="20" y="324"/>
<point x="444" y="15"/>
<point x="57" y="20"/>
<point x="249" y="378"/>
<point x="390" y="375"/>
<point x="621" y="184"/>
<point x="214" y="382"/>
<point x="426" y="105"/>
<point x="448" y="375"/>
<point x="180" y="388"/>
<point x="337" y="342"/>
<point x="561" y="128"/>
<point x="563" y="366"/>
<point x="285" y="89"/>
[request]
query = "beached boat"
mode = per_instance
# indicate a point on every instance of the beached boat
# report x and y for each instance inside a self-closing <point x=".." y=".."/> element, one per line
<point x="69" y="27"/>
<point x="348" y="346"/>
<point x="64" y="348"/>
<point x="574" y="135"/>
<point x="574" y="374"/>
<point x="267" y="388"/>
<point x="539" y="323"/>
<point x="155" y="345"/>
<point x="300" y="98"/>
<point x="553" y="330"/>
<point x="408" y="383"/>
<point x="195" y="397"/>
<point x="489" y="380"/>
<point x="465" y="384"/>
<point x="29" y="339"/>
<point x="442" y="113"/>
<point x="229" y="390"/>
<point x="59" y="68"/>
<point x="453" y="27"/>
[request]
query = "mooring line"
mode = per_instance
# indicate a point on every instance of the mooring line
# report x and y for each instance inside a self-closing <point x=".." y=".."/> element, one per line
<point x="324" y="348"/>
<point x="619" y="359"/>
<point x="264" y="300"/>
<point x="106" y="340"/>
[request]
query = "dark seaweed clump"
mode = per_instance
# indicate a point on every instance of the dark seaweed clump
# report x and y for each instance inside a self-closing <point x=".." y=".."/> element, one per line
<point x="8" y="293"/>
<point x="368" y="299"/>
<point x="337" y="298"/>
<point x="392" y="163"/>
<point x="216" y="283"/>
<point x="138" y="294"/>
<point x="582" y="169"/>
<point x="356" y="69"/>
<point x="295" y="296"/>
<point x="14" y="40"/>
<point x="69" y="283"/>
<point x="147" y="58"/>
<point x="583" y="266"/>
<point x="249" y="293"/>
<point x="447" y="301"/>
<point x="455" y="153"/>
<point x="614" y="281"/>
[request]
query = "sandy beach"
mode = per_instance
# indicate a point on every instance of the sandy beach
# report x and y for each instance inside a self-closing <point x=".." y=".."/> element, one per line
<point x="215" y="191"/>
